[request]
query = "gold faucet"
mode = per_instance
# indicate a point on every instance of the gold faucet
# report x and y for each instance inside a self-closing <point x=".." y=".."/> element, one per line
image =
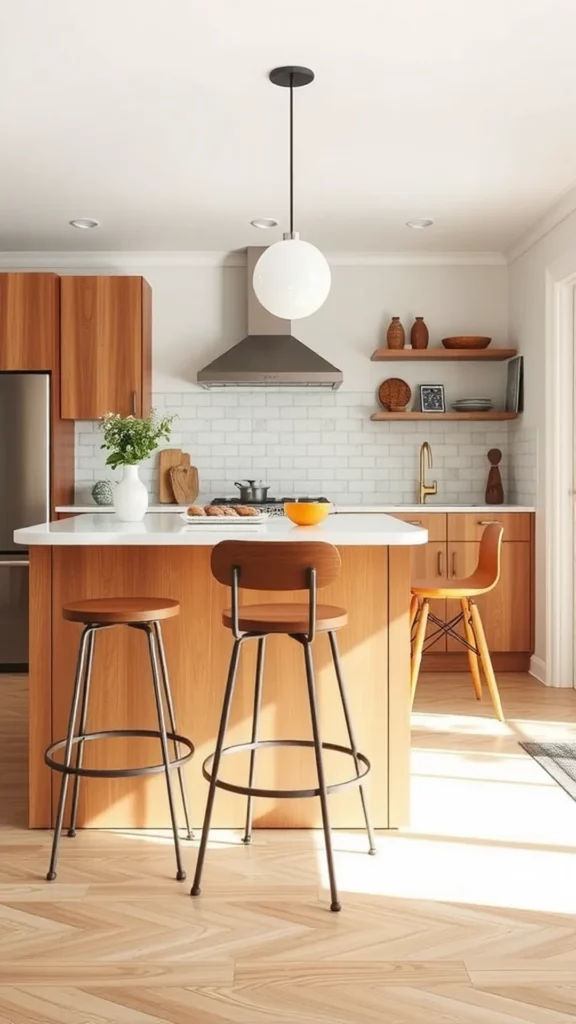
<point x="423" y="489"/>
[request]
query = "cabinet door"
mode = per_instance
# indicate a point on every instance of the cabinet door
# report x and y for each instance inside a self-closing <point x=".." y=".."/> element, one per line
<point x="28" y="321"/>
<point x="469" y="526"/>
<point x="507" y="610"/>
<point x="101" y="346"/>
<point x="429" y="563"/>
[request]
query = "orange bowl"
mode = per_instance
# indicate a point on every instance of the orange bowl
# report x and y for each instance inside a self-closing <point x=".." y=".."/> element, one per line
<point x="306" y="513"/>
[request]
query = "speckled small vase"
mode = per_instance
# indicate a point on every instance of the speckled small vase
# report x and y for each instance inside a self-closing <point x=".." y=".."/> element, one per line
<point x="103" y="492"/>
<point x="396" y="336"/>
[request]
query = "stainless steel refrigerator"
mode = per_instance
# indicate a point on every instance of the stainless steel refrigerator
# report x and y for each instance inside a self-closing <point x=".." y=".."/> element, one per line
<point x="24" y="500"/>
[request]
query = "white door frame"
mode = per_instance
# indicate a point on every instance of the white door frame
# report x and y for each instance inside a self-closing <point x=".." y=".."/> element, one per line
<point x="560" y="385"/>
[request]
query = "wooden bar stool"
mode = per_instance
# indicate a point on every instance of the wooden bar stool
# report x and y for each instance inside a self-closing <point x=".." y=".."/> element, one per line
<point x="483" y="580"/>
<point x="283" y="566"/>
<point x="104" y="613"/>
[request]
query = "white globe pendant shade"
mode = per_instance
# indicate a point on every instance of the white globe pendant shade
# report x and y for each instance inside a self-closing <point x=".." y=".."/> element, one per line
<point x="292" y="279"/>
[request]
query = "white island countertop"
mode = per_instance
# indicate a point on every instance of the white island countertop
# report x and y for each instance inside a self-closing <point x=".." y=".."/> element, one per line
<point x="163" y="529"/>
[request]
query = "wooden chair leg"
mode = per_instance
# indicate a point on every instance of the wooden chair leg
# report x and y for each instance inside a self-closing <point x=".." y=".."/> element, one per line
<point x="472" y="658"/>
<point x="414" y="603"/>
<point x="486" y="660"/>
<point x="418" y="645"/>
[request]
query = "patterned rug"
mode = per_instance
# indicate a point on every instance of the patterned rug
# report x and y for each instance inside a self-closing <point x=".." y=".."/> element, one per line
<point x="559" y="760"/>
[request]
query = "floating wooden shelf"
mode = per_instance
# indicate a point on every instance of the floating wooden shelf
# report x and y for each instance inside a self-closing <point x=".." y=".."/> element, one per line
<point x="432" y="416"/>
<point x="480" y="355"/>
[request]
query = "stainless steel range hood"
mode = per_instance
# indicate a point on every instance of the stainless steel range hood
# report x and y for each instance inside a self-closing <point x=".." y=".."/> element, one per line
<point x="269" y="354"/>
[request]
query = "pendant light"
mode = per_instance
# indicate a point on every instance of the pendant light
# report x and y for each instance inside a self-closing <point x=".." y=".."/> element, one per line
<point x="291" y="278"/>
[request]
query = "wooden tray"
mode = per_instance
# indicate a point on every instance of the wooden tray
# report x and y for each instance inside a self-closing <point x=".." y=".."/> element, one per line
<point x="394" y="394"/>
<point x="466" y="341"/>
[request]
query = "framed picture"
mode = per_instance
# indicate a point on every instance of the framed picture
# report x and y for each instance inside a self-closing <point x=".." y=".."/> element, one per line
<point x="515" y="385"/>
<point x="432" y="398"/>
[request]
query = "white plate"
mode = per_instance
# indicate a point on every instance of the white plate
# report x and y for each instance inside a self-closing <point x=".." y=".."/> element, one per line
<point x="205" y="521"/>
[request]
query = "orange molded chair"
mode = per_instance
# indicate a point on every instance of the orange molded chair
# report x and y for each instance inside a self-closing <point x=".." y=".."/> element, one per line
<point x="483" y="579"/>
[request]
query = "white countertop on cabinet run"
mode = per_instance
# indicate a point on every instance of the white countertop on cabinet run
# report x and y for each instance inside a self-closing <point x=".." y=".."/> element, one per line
<point x="162" y="529"/>
<point x="357" y="509"/>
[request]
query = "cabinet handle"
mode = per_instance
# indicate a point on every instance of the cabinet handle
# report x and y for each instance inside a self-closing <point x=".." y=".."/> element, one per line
<point x="454" y="559"/>
<point x="21" y="563"/>
<point x="134" y="396"/>
<point x="415" y="522"/>
<point x="440" y="563"/>
<point x="488" y="522"/>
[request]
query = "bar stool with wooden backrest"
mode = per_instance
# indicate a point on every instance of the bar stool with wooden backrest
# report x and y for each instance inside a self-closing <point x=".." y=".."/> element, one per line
<point x="482" y="581"/>
<point x="143" y="614"/>
<point x="281" y="566"/>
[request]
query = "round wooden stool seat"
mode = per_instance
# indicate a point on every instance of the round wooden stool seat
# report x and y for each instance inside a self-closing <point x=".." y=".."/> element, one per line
<point x="286" y="618"/>
<point x="451" y="589"/>
<point x="121" y="610"/>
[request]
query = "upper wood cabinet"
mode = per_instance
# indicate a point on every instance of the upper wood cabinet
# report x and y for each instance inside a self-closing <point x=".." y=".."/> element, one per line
<point x="29" y="321"/>
<point x="106" y="346"/>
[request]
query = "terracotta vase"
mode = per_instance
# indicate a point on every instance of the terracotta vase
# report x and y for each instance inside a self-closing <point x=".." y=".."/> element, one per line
<point x="419" y="335"/>
<point x="395" y="337"/>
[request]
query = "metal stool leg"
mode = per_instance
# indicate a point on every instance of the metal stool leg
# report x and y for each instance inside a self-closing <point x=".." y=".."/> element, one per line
<point x="335" y="903"/>
<point x="180" y="873"/>
<point x="80" y="747"/>
<point x="68" y="753"/>
<point x="247" y="837"/>
<point x="348" y="717"/>
<point x="226" y="705"/>
<point x="172" y="720"/>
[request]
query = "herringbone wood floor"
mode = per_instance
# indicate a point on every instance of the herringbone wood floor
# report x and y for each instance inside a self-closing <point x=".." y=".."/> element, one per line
<point x="467" y="917"/>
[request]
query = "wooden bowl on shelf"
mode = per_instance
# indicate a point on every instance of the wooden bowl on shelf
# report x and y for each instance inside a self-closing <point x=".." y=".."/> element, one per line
<point x="394" y="394"/>
<point x="466" y="341"/>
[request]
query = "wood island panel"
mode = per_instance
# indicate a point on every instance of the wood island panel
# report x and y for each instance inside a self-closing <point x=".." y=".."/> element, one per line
<point x="374" y="647"/>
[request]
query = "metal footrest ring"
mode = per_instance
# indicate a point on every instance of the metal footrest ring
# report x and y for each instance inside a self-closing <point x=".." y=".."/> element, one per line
<point x="286" y="794"/>
<point x="118" y="773"/>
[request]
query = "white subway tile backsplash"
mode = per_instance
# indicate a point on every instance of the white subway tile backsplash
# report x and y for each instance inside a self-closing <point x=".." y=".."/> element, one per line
<point x="316" y="443"/>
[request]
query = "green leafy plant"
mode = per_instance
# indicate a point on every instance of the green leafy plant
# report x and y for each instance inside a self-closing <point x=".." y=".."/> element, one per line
<point x="130" y="440"/>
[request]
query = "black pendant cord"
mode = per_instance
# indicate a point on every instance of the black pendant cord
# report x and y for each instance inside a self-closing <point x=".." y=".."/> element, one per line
<point x="291" y="155"/>
<point x="291" y="77"/>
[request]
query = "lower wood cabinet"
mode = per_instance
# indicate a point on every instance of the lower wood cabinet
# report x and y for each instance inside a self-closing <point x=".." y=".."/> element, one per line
<point x="507" y="611"/>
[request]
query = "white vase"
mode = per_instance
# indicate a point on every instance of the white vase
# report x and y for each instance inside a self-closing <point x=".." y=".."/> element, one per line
<point x="130" y="497"/>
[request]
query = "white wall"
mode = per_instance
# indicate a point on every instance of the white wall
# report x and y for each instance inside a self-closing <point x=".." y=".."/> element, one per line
<point x="528" y="330"/>
<point x="201" y="311"/>
<point x="322" y="443"/>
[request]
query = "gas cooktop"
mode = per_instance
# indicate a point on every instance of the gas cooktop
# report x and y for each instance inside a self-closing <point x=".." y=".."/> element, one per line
<point x="268" y="502"/>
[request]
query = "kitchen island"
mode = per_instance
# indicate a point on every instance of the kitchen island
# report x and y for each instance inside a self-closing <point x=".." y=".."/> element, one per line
<point x="93" y="556"/>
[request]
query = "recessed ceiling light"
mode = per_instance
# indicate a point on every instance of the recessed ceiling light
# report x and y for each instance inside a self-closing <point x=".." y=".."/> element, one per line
<point x="264" y="222"/>
<point x="85" y="223"/>
<point x="419" y="223"/>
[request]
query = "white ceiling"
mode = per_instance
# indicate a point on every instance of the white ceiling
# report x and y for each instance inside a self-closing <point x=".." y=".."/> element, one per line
<point x="156" y="117"/>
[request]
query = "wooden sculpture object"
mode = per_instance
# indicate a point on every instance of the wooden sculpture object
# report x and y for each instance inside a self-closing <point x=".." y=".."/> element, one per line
<point x="494" y="489"/>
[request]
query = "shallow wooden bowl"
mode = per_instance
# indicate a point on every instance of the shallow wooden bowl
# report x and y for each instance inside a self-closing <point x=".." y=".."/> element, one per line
<point x="466" y="341"/>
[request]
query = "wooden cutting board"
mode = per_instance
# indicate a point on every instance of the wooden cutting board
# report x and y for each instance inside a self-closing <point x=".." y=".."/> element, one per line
<point x="168" y="459"/>
<point x="184" y="484"/>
